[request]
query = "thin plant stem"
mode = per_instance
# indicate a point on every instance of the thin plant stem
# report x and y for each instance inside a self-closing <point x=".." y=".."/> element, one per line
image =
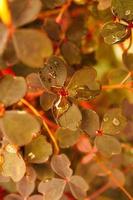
<point x="25" y="102"/>
<point x="62" y="11"/>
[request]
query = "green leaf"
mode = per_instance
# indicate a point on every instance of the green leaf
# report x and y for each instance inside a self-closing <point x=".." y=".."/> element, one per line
<point x="39" y="150"/>
<point x="123" y="9"/>
<point x="113" y="79"/>
<point x="78" y="187"/>
<point x="12" y="89"/>
<point x="13" y="166"/>
<point x="47" y="100"/>
<point x="54" y="72"/>
<point x="35" y="41"/>
<point x="19" y="126"/>
<point x="90" y="122"/>
<point x="107" y="145"/>
<point x="115" y="32"/>
<point x="3" y="37"/>
<point x="71" y="119"/>
<point x="66" y="137"/>
<point x="83" y="85"/>
<point x="52" y="189"/>
<point x="71" y="53"/>
<point x="24" y="12"/>
<point x="43" y="171"/>
<point x="61" y="165"/>
<point x="113" y="122"/>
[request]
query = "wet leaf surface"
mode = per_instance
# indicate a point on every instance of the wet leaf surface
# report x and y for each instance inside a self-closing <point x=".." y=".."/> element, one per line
<point x="47" y="100"/>
<point x="113" y="122"/>
<point x="54" y="72"/>
<point x="114" y="32"/>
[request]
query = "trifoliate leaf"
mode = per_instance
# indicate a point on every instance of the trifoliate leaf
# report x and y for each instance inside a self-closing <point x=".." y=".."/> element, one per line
<point x="52" y="189"/>
<point x="32" y="46"/>
<point x="12" y="89"/>
<point x="13" y="166"/>
<point x="90" y="122"/>
<point x="19" y="126"/>
<point x="54" y="73"/>
<point x="24" y="12"/>
<point x="71" y="119"/>
<point x="114" y="32"/>
<point x="108" y="145"/>
<point x="66" y="137"/>
<point x="113" y="121"/>
<point x="123" y="9"/>
<point x="61" y="165"/>
<point x="38" y="150"/>
<point x="78" y="187"/>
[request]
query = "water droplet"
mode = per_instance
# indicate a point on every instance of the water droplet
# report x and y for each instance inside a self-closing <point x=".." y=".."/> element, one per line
<point x="105" y="119"/>
<point x="31" y="155"/>
<point x="116" y="122"/>
<point x="127" y="12"/>
<point x="11" y="149"/>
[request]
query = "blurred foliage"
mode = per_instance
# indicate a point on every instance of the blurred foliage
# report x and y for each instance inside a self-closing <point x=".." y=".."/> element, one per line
<point x="66" y="99"/>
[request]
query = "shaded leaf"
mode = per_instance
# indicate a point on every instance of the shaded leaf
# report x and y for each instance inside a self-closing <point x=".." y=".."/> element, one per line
<point x="113" y="121"/>
<point x="113" y="79"/>
<point x="19" y="126"/>
<point x="119" y="175"/>
<point x="54" y="73"/>
<point x="104" y="4"/>
<point x="123" y="9"/>
<point x="114" y="32"/>
<point x="25" y="187"/>
<point x="35" y="41"/>
<point x="61" y="165"/>
<point x="90" y="122"/>
<point x="71" y="119"/>
<point x="71" y="53"/>
<point x="66" y="137"/>
<point x="52" y="189"/>
<point x="83" y="144"/>
<point x="47" y="100"/>
<point x="38" y="150"/>
<point x="12" y="89"/>
<point x="83" y="85"/>
<point x="24" y="12"/>
<point x="13" y="166"/>
<point x="78" y="187"/>
<point x="43" y="171"/>
<point x="108" y="145"/>
<point x="53" y="29"/>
